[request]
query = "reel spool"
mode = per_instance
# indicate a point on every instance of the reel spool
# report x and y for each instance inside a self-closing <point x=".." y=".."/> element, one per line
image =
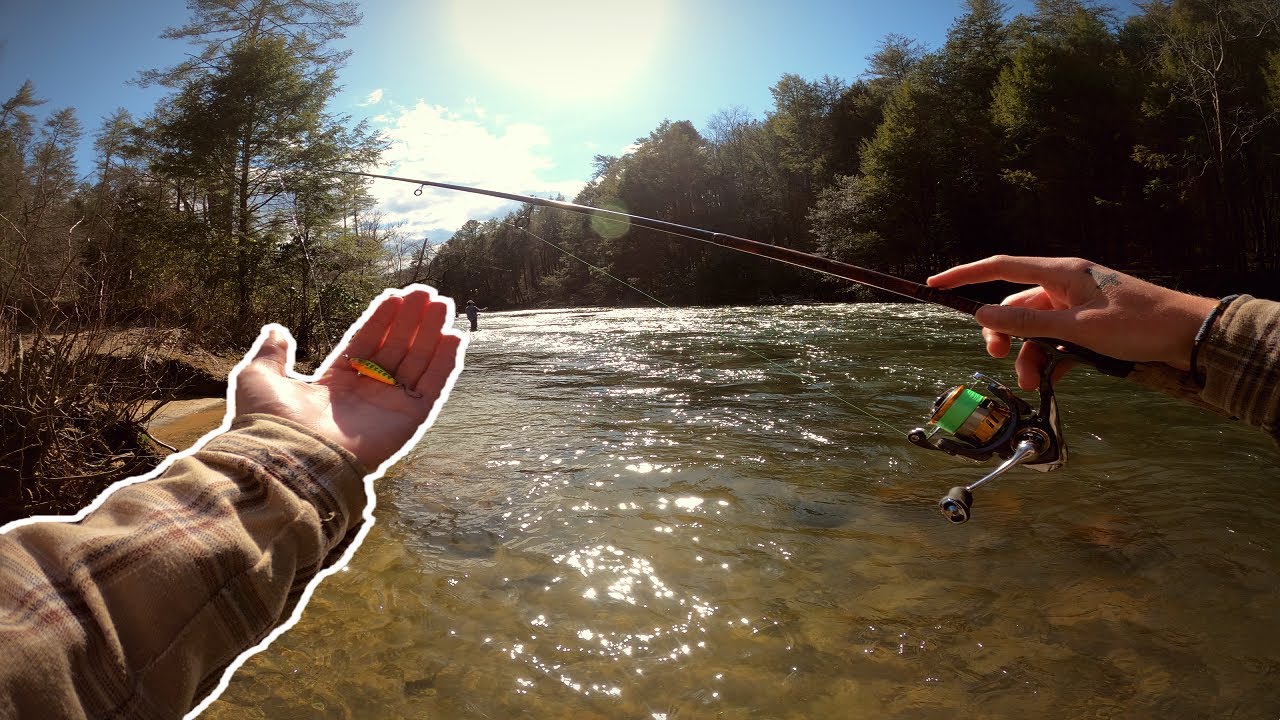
<point x="969" y="415"/>
<point x="979" y="425"/>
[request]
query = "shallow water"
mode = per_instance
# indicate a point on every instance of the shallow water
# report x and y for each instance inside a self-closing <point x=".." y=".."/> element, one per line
<point x="632" y="514"/>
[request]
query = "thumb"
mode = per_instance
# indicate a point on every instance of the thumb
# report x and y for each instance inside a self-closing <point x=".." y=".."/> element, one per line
<point x="1025" y="322"/>
<point x="275" y="352"/>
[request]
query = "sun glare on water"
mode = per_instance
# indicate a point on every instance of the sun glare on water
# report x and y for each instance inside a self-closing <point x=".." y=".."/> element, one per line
<point x="565" y="48"/>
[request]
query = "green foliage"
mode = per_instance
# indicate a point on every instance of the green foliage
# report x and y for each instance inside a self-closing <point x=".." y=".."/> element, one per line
<point x="897" y="198"/>
<point x="1062" y="103"/>
<point x="1272" y="74"/>
<point x="215" y="213"/>
<point x="243" y="145"/>
<point x="1062" y="130"/>
<point x="1149" y="143"/>
<point x="1210" y="106"/>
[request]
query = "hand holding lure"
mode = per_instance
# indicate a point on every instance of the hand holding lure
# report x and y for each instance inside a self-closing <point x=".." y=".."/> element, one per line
<point x="370" y="369"/>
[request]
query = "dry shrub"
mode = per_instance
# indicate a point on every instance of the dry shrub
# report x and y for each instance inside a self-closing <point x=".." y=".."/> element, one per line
<point x="73" y="406"/>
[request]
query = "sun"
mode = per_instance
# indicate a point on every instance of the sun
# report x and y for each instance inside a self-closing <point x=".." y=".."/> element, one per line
<point x="563" y="48"/>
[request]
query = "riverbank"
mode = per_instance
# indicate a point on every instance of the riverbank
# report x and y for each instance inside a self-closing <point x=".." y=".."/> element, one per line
<point x="76" y="405"/>
<point x="181" y="422"/>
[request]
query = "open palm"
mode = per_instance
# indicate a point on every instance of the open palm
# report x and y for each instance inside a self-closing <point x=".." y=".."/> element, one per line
<point x="405" y="334"/>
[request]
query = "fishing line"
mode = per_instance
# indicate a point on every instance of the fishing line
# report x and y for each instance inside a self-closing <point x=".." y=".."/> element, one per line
<point x="521" y="224"/>
<point x="301" y="237"/>
<point x="1156" y="374"/>
<point x="978" y="423"/>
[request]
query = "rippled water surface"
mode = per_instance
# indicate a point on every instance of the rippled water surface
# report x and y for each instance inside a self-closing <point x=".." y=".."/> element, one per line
<point x="632" y="514"/>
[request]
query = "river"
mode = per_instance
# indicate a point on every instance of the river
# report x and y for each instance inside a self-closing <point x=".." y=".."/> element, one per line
<point x="632" y="514"/>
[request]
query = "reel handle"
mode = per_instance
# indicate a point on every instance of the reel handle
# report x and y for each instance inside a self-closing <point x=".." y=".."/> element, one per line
<point x="957" y="506"/>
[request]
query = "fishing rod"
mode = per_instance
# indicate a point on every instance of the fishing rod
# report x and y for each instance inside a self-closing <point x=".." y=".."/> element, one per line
<point x="974" y="422"/>
<point x="860" y="275"/>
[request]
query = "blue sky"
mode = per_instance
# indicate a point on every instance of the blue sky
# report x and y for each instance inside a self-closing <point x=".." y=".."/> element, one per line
<point x="512" y="95"/>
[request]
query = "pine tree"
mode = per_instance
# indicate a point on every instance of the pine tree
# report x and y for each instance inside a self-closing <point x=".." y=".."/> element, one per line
<point x="246" y="122"/>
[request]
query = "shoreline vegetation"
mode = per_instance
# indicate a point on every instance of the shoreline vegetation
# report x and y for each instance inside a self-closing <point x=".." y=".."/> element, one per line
<point x="76" y="408"/>
<point x="1144" y="141"/>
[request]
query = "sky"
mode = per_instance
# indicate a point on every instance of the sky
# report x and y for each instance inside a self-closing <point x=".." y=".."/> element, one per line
<point x="510" y="95"/>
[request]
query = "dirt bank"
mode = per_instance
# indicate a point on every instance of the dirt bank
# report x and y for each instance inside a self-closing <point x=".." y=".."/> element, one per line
<point x="181" y="422"/>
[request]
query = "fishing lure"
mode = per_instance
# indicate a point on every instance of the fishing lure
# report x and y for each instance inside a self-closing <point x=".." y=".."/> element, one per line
<point x="371" y="369"/>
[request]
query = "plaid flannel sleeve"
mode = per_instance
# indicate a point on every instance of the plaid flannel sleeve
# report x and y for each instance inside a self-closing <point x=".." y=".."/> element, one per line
<point x="1241" y="363"/>
<point x="138" y="609"/>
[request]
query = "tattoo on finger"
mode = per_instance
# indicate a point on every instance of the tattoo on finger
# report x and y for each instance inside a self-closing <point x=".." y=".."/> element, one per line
<point x="1103" y="278"/>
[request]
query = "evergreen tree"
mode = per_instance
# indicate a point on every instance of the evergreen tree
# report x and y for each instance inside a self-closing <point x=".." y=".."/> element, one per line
<point x="1062" y="105"/>
<point x="1215" y="127"/>
<point x="247" y="121"/>
<point x="801" y="132"/>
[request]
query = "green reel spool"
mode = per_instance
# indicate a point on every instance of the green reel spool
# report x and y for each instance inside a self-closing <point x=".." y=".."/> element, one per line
<point x="969" y="415"/>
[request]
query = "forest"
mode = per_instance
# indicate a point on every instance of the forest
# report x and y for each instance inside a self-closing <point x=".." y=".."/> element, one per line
<point x="1147" y="141"/>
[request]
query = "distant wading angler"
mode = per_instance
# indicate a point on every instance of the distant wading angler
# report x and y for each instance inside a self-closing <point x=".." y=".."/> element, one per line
<point x="473" y="314"/>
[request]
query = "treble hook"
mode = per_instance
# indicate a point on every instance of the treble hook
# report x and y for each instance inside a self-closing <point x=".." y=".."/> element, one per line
<point x="373" y="370"/>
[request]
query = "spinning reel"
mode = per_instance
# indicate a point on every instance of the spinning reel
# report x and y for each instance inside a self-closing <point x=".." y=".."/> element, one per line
<point x="990" y="422"/>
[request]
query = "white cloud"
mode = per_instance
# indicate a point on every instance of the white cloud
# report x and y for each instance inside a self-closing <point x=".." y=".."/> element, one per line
<point x="431" y="142"/>
<point x="373" y="98"/>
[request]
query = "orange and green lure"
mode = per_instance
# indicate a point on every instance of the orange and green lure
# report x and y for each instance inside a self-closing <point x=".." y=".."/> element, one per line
<point x="371" y="369"/>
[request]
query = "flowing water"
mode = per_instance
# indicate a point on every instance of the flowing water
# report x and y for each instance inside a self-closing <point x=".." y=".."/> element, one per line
<point x="631" y="514"/>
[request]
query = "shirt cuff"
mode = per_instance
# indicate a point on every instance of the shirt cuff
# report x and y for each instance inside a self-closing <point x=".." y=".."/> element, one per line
<point x="1241" y="363"/>
<point x="319" y="471"/>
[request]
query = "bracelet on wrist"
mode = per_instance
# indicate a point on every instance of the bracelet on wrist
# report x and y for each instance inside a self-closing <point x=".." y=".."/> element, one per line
<point x="1203" y="333"/>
